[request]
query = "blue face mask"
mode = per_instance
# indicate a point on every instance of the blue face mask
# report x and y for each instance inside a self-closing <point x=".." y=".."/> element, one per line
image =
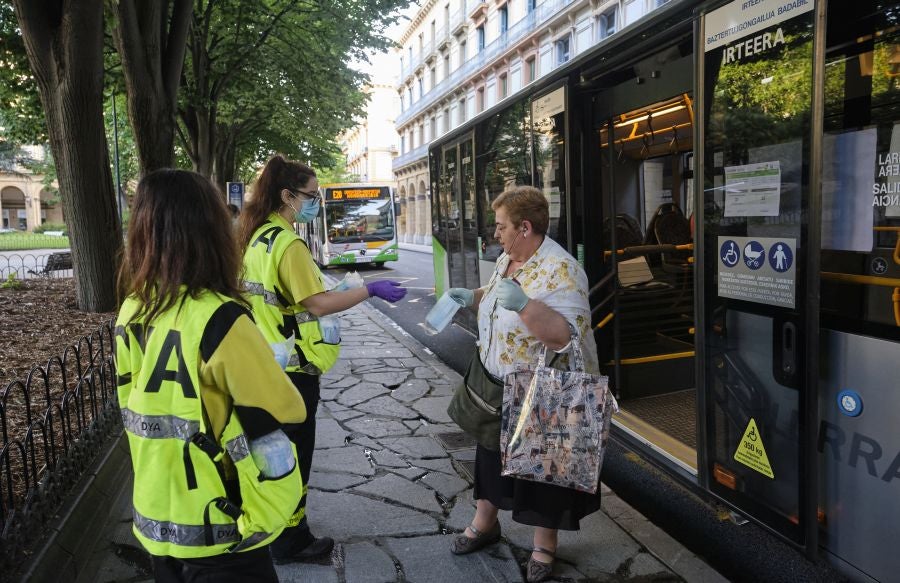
<point x="309" y="210"/>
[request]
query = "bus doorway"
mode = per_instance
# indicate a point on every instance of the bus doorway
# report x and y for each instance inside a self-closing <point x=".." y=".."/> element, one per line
<point x="644" y="316"/>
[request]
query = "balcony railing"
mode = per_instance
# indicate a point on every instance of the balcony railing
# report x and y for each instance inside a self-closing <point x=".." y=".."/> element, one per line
<point x="411" y="156"/>
<point x="516" y="32"/>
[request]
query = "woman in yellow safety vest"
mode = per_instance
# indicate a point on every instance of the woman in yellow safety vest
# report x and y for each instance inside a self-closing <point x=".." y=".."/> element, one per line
<point x="288" y="298"/>
<point x="215" y="479"/>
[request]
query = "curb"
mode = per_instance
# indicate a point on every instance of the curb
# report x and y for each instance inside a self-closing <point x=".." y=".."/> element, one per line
<point x="79" y="525"/>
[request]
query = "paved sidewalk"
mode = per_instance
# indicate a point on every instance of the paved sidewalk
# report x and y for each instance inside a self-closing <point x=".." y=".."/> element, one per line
<point x="386" y="488"/>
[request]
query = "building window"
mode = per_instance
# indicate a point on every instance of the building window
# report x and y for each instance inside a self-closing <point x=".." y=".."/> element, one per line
<point x="634" y="9"/>
<point x="401" y="64"/>
<point x="433" y="30"/>
<point x="446" y="66"/>
<point x="410" y="56"/>
<point x="462" y="53"/>
<point x="421" y="87"/>
<point x="446" y="120"/>
<point x="409" y="95"/>
<point x="530" y="69"/>
<point x="479" y="32"/>
<point x="433" y="128"/>
<point x="502" y="87"/>
<point x="462" y="111"/>
<point x="402" y="103"/>
<point x="607" y="23"/>
<point x="532" y="4"/>
<point x="479" y="100"/>
<point x="504" y="19"/>
<point x="403" y="144"/>
<point x="562" y="50"/>
<point x="433" y="73"/>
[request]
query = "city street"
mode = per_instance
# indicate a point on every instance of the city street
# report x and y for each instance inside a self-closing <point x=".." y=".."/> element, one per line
<point x="414" y="270"/>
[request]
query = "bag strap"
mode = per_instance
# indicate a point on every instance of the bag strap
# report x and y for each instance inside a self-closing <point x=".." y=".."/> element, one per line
<point x="576" y="363"/>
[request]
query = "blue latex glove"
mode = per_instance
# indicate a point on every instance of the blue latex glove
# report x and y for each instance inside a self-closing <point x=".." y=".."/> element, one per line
<point x="462" y="296"/>
<point x="511" y="296"/>
<point x="386" y="290"/>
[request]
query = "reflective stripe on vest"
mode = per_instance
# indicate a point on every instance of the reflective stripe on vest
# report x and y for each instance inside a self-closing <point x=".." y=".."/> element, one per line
<point x="184" y="535"/>
<point x="170" y="426"/>
<point x="257" y="289"/>
<point x="159" y="426"/>
<point x="238" y="448"/>
<point x="308" y="368"/>
<point x="304" y="317"/>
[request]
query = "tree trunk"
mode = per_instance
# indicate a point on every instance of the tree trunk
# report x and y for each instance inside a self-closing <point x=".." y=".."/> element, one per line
<point x="223" y="168"/>
<point x="152" y="45"/>
<point x="64" y="41"/>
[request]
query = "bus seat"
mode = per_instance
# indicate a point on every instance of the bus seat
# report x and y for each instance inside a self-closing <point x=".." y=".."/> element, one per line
<point x="628" y="232"/>
<point x="669" y="226"/>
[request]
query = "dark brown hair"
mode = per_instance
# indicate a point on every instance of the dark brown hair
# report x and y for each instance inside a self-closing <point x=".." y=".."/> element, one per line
<point x="179" y="234"/>
<point x="278" y="174"/>
<point x="525" y="202"/>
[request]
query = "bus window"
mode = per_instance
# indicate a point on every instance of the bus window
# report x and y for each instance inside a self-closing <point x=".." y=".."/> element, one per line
<point x="861" y="172"/>
<point x="548" y="124"/>
<point x="506" y="163"/>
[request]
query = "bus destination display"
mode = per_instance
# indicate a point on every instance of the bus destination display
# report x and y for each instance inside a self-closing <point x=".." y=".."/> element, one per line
<point x="354" y="193"/>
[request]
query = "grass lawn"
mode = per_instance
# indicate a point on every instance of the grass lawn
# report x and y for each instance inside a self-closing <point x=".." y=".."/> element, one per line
<point x="24" y="241"/>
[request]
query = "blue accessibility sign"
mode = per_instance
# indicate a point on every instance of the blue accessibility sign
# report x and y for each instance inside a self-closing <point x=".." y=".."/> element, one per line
<point x="754" y="254"/>
<point x="781" y="256"/>
<point x="729" y="253"/>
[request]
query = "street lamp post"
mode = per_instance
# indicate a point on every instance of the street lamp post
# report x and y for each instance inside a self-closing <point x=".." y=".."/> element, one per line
<point x="116" y="156"/>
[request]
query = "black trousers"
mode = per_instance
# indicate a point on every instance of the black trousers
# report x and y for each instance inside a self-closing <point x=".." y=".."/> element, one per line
<point x="255" y="565"/>
<point x="303" y="435"/>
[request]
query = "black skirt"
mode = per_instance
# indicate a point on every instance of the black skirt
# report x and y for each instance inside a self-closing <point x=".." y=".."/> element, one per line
<point x="532" y="503"/>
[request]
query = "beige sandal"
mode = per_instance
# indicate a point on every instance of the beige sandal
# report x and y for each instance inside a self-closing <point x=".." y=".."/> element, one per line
<point x="538" y="571"/>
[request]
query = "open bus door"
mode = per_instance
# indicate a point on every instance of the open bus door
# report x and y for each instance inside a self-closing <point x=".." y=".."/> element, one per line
<point x="456" y="229"/>
<point x="758" y="225"/>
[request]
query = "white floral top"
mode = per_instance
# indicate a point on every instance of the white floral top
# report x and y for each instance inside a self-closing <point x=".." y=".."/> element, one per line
<point x="555" y="278"/>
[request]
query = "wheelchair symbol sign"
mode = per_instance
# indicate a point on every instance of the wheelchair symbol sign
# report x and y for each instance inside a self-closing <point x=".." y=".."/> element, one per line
<point x="729" y="253"/>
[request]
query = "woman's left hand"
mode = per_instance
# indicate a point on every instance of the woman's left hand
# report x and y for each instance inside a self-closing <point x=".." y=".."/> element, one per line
<point x="511" y="296"/>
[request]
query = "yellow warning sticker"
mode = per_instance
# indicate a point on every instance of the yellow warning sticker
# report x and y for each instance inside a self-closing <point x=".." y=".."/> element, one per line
<point x="752" y="453"/>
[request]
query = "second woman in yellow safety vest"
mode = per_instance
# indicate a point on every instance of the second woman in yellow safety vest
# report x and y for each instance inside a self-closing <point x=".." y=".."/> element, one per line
<point x="287" y="295"/>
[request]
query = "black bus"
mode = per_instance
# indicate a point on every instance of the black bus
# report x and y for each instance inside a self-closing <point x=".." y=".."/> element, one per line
<point x="728" y="173"/>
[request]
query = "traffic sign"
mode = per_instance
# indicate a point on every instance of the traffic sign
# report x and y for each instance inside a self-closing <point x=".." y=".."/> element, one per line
<point x="236" y="194"/>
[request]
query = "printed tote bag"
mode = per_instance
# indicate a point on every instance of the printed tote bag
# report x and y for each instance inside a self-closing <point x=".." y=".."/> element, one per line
<point x="555" y="423"/>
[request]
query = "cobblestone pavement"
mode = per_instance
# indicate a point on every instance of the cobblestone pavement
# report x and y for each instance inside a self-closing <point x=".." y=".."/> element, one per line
<point x="391" y="485"/>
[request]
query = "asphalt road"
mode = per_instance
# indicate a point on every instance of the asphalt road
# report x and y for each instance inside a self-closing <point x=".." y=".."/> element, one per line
<point x="415" y="271"/>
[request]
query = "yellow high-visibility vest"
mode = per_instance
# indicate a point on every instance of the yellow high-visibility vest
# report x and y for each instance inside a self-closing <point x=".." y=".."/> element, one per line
<point x="274" y="316"/>
<point x="181" y="505"/>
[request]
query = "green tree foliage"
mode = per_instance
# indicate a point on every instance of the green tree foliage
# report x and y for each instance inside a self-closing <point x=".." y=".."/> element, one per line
<point x="21" y="113"/>
<point x="273" y="76"/>
<point x="336" y="172"/>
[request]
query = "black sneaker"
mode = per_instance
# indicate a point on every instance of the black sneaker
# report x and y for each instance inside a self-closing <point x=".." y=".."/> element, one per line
<point x="314" y="549"/>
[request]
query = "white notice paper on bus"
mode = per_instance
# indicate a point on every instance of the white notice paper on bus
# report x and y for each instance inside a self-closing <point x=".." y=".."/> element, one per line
<point x="753" y="190"/>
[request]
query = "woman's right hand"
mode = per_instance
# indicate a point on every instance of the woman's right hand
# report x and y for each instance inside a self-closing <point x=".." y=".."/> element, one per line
<point x="385" y="289"/>
<point x="464" y="297"/>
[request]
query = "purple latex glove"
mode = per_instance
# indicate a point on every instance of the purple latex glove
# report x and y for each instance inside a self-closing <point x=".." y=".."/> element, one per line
<point x="386" y="290"/>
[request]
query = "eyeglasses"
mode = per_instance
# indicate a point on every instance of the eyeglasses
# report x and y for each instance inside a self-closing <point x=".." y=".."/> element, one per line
<point x="313" y="195"/>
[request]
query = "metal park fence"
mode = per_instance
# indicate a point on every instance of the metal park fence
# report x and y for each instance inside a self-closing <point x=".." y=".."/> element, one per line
<point x="53" y="423"/>
<point x="37" y="263"/>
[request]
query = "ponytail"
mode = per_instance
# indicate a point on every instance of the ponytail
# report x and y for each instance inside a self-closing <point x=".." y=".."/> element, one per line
<point x="279" y="173"/>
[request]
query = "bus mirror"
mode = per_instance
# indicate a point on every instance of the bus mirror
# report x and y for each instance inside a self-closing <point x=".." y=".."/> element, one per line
<point x="397" y="209"/>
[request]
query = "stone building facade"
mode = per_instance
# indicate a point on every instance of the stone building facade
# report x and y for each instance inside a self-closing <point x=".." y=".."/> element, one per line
<point x="461" y="57"/>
